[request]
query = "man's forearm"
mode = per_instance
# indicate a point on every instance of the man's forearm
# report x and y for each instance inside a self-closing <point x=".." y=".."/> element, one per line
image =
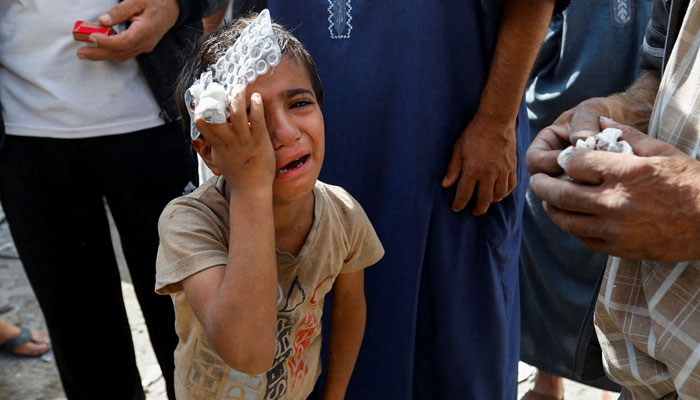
<point x="523" y="26"/>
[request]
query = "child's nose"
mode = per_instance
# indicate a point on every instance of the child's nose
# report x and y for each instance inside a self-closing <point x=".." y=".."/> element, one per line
<point x="282" y="130"/>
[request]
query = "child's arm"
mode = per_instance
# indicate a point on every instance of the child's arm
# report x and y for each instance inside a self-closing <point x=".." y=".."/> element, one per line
<point x="237" y="302"/>
<point x="348" y="314"/>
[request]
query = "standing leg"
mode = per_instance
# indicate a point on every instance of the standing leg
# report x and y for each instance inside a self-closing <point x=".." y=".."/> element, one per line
<point x="57" y="220"/>
<point x="159" y="166"/>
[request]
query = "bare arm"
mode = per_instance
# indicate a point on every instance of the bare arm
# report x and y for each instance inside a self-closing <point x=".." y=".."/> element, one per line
<point x="485" y="153"/>
<point x="348" y="314"/>
<point x="237" y="303"/>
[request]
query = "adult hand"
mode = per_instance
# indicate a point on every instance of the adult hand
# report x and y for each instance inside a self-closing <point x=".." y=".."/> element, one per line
<point x="241" y="149"/>
<point x="485" y="155"/>
<point x="572" y="125"/>
<point x="150" y="20"/>
<point x="644" y="206"/>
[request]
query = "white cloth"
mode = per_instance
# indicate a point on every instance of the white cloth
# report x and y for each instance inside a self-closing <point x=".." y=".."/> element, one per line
<point x="47" y="91"/>
<point x="607" y="140"/>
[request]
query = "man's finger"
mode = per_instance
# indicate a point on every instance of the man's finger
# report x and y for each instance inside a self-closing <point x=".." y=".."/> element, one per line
<point x="465" y="189"/>
<point x="630" y="134"/>
<point x="484" y="196"/>
<point x="642" y="144"/>
<point x="543" y="152"/>
<point x="123" y="41"/>
<point x="94" y="53"/>
<point x="542" y="160"/>
<point x="567" y="195"/>
<point x="576" y="224"/>
<point x="501" y="187"/>
<point x="593" y="167"/>
<point x="122" y="12"/>
<point x="512" y="181"/>
<point x="584" y="123"/>
<point x="453" y="168"/>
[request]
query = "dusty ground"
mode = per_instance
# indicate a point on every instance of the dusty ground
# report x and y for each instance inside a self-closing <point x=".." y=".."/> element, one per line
<point x="37" y="378"/>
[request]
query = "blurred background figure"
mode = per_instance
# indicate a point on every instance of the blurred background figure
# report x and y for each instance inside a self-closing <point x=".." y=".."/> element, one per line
<point x="591" y="49"/>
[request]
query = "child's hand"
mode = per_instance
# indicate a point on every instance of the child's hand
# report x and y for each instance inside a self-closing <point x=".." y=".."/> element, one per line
<point x="241" y="149"/>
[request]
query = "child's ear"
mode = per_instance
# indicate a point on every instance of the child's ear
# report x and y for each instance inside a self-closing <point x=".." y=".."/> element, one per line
<point x="203" y="148"/>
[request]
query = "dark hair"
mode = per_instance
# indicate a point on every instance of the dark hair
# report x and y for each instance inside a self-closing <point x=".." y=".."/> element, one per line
<point x="213" y="46"/>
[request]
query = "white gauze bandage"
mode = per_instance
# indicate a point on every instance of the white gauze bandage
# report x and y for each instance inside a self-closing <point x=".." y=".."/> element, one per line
<point x="607" y="140"/>
<point x="252" y="55"/>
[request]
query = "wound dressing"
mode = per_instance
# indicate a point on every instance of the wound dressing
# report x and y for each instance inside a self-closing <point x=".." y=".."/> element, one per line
<point x="253" y="54"/>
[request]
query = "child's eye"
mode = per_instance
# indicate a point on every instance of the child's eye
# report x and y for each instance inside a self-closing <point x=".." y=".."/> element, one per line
<point x="300" y="103"/>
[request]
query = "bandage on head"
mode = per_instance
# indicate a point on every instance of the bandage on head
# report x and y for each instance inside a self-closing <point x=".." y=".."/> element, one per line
<point x="253" y="54"/>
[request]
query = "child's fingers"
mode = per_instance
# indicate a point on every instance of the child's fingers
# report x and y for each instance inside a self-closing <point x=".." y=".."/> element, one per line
<point x="204" y="128"/>
<point x="257" y="117"/>
<point x="238" y="114"/>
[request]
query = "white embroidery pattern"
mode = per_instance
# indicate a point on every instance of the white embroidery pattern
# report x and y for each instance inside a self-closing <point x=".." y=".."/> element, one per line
<point x="622" y="11"/>
<point x="339" y="17"/>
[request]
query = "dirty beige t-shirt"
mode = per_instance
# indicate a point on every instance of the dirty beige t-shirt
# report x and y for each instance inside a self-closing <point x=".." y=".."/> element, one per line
<point x="194" y="235"/>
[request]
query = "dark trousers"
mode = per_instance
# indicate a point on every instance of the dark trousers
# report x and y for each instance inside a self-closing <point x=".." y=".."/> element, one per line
<point x="52" y="192"/>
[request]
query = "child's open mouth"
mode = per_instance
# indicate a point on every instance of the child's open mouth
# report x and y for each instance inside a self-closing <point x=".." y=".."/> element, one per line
<point x="292" y="165"/>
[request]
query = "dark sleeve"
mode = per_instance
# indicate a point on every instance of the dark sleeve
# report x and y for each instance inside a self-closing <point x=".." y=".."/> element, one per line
<point x="244" y="7"/>
<point x="652" y="54"/>
<point x="163" y="64"/>
<point x="561" y="5"/>
<point x="2" y="128"/>
<point x="189" y="10"/>
<point x="209" y="7"/>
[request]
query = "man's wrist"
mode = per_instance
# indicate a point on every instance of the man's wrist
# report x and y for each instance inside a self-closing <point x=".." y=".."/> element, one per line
<point x="634" y="106"/>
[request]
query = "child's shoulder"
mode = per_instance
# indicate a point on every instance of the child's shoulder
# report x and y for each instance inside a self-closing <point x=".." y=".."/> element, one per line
<point x="340" y="204"/>
<point x="337" y="197"/>
<point x="207" y="199"/>
<point x="345" y="217"/>
<point x="208" y="194"/>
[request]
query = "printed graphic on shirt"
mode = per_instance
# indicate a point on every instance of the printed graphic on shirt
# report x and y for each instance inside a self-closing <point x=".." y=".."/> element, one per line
<point x="339" y="17"/>
<point x="297" y="326"/>
<point x="289" y="368"/>
<point x="622" y="12"/>
<point x="277" y="377"/>
<point x="205" y="377"/>
<point x="295" y="297"/>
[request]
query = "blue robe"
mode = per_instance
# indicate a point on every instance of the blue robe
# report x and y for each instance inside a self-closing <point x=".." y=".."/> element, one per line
<point x="402" y="80"/>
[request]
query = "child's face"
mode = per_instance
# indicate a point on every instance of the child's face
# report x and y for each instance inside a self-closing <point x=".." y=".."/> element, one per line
<point x="295" y="124"/>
